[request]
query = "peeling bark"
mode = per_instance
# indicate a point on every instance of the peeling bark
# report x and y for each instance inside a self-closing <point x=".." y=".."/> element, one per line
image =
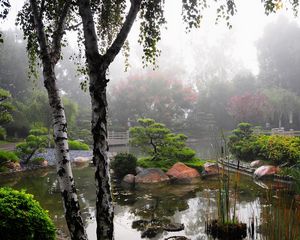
<point x="63" y="163"/>
<point x="98" y="66"/>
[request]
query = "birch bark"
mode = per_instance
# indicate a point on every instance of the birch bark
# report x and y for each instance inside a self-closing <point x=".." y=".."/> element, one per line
<point x="49" y="58"/>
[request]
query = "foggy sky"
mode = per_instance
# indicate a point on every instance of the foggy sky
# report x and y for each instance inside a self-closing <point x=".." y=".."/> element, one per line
<point x="248" y="25"/>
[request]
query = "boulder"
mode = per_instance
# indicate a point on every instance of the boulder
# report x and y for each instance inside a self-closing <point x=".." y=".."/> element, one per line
<point x="138" y="170"/>
<point x="81" y="161"/>
<point x="14" y="166"/>
<point x="129" y="179"/>
<point x="40" y="163"/>
<point x="211" y="168"/>
<point x="266" y="171"/>
<point x="180" y="172"/>
<point x="151" y="175"/>
<point x="256" y="164"/>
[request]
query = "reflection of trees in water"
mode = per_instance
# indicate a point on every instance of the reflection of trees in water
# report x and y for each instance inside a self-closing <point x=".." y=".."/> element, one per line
<point x="155" y="203"/>
<point x="188" y="204"/>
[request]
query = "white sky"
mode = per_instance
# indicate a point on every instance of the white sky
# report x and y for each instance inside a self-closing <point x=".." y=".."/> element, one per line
<point x="248" y="25"/>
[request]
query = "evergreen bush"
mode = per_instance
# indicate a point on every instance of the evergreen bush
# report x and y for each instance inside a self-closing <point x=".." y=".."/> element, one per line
<point x="23" y="218"/>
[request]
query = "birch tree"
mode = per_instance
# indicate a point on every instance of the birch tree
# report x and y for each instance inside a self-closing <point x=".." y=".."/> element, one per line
<point x="43" y="23"/>
<point x="105" y="29"/>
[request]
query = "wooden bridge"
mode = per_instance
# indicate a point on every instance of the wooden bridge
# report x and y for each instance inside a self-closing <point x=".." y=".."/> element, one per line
<point x="118" y="138"/>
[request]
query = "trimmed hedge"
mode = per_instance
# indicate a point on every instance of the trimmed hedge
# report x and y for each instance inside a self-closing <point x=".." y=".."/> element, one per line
<point x="76" y="145"/>
<point x="276" y="149"/>
<point x="23" y="218"/>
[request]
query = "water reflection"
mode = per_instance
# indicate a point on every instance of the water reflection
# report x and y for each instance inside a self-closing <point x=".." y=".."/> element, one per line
<point x="188" y="204"/>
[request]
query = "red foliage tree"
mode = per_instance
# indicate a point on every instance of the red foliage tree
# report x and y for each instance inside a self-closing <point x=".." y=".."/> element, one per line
<point x="249" y="107"/>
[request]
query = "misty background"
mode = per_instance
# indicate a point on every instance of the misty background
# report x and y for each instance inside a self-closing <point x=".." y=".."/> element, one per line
<point x="209" y="78"/>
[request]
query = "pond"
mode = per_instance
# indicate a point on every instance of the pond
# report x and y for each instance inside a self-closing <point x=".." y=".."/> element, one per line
<point x="189" y="204"/>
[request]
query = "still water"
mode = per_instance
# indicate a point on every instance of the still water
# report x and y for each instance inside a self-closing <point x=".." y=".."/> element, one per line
<point x="188" y="204"/>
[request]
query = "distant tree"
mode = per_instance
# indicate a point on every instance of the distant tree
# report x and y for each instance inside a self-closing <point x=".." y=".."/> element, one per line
<point x="14" y="66"/>
<point x="212" y="99"/>
<point x="157" y="96"/>
<point x="249" y="107"/>
<point x="6" y="109"/>
<point x="278" y="55"/>
<point x="244" y="82"/>
<point x="283" y="103"/>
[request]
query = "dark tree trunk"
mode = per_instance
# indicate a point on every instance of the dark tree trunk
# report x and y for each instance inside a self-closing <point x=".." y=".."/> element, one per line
<point x="104" y="206"/>
<point x="63" y="163"/>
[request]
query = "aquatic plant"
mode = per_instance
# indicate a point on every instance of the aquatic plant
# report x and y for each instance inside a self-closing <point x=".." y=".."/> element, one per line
<point x="227" y="223"/>
<point x="279" y="218"/>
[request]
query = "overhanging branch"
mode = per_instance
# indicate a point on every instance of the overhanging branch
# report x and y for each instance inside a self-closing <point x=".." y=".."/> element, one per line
<point x="59" y="32"/>
<point x="118" y="43"/>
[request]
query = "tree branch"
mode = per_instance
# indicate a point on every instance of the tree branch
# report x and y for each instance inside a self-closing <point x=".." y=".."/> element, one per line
<point x="42" y="9"/>
<point x="39" y="29"/>
<point x="74" y="27"/>
<point x="118" y="43"/>
<point x="59" y="32"/>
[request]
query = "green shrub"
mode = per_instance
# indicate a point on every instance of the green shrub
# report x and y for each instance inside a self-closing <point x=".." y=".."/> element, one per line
<point x="76" y="145"/>
<point x="6" y="156"/>
<point x="279" y="149"/>
<point x="165" y="165"/>
<point x="23" y="218"/>
<point x="197" y="164"/>
<point x="2" y="133"/>
<point x="184" y="154"/>
<point x="276" y="149"/>
<point x="124" y="163"/>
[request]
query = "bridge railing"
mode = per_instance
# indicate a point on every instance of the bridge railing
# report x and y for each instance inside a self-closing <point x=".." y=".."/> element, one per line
<point x="118" y="138"/>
